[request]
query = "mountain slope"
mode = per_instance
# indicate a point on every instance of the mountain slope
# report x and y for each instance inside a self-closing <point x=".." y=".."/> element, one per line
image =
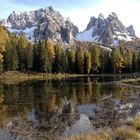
<point x="109" y="31"/>
<point x="42" y="24"/>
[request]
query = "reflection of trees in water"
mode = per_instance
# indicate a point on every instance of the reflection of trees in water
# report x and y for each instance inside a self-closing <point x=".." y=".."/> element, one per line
<point x="73" y="94"/>
<point x="96" y="91"/>
<point x="52" y="103"/>
<point x="87" y="90"/>
<point x="48" y="96"/>
<point x="117" y="90"/>
<point x="41" y="96"/>
<point x="16" y="102"/>
<point x="81" y="94"/>
<point x="22" y="99"/>
<point x="2" y="107"/>
<point x="89" y="87"/>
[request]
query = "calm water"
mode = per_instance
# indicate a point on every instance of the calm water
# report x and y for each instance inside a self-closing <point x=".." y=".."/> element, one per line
<point x="35" y="102"/>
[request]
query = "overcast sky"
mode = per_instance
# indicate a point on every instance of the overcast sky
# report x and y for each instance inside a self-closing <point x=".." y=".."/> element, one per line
<point x="80" y="11"/>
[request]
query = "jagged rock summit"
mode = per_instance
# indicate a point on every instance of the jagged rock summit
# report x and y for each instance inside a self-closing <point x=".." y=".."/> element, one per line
<point x="42" y="24"/>
<point x="48" y="23"/>
<point x="107" y="31"/>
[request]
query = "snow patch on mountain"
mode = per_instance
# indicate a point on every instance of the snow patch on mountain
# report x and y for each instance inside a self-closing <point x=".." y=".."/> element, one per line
<point x="87" y="36"/>
<point x="109" y="31"/>
<point x="105" y="48"/>
<point x="29" y="32"/>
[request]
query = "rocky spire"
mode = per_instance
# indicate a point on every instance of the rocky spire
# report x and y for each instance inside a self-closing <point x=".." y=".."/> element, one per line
<point x="131" y="30"/>
<point x="101" y="16"/>
<point x="108" y="31"/>
<point x="42" y="24"/>
<point x="112" y="16"/>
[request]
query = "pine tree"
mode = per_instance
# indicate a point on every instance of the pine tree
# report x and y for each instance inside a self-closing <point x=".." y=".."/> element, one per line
<point x="117" y="60"/>
<point x="14" y="58"/>
<point x="65" y="63"/>
<point x="87" y="62"/>
<point x="4" y="37"/>
<point x="37" y="52"/>
<point x="95" y="57"/>
<point x="57" y="65"/>
<point x="11" y="56"/>
<point x="51" y="50"/>
<point x="22" y="44"/>
<point x="80" y="60"/>
<point x="46" y="58"/>
<point x="128" y="60"/>
<point x="72" y="61"/>
<point x="105" y="62"/>
<point x="29" y="56"/>
<point x="23" y="41"/>
<point x="134" y="62"/>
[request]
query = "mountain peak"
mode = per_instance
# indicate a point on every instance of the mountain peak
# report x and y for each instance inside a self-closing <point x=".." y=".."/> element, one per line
<point x="42" y="24"/>
<point x="101" y="16"/>
<point x="50" y="8"/>
<point x="47" y="23"/>
<point x="91" y="23"/>
<point x="131" y="30"/>
<point x="110" y="31"/>
<point x="112" y="16"/>
<point x="68" y="19"/>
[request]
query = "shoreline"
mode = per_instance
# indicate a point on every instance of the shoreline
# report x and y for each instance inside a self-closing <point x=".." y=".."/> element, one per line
<point x="13" y="77"/>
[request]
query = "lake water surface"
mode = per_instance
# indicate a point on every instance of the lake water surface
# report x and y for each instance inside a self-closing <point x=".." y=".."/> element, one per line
<point x="31" y="107"/>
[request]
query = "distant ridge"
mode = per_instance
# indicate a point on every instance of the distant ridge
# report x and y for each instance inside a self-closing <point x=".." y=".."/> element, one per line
<point x="109" y="31"/>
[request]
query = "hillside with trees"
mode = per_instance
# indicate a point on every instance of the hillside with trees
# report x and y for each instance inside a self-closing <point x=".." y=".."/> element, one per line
<point x="18" y="54"/>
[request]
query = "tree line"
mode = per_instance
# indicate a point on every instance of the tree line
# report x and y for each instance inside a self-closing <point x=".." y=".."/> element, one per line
<point x="17" y="53"/>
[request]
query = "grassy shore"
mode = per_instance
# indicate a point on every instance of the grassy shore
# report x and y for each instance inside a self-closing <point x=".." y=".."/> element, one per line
<point x="13" y="77"/>
<point x="134" y="81"/>
<point x="128" y="131"/>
